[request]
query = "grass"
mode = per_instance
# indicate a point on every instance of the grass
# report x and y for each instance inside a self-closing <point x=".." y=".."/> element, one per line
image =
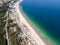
<point x="12" y="40"/>
<point x="12" y="35"/>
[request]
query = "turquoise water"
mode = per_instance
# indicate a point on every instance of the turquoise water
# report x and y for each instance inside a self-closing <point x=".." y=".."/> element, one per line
<point x="44" y="15"/>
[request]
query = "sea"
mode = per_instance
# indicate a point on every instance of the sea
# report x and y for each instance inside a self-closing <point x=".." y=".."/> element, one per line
<point x="44" y="17"/>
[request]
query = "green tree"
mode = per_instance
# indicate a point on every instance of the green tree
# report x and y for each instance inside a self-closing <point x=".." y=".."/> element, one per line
<point x="3" y="10"/>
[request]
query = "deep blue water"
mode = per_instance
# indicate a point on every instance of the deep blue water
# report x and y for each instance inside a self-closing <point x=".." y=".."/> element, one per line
<point x="46" y="12"/>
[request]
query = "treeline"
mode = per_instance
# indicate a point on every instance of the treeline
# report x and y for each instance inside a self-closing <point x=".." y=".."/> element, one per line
<point x="3" y="10"/>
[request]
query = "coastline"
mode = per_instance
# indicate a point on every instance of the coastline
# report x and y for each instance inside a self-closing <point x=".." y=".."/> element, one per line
<point x="47" y="38"/>
<point x="50" y="40"/>
<point x="22" y="19"/>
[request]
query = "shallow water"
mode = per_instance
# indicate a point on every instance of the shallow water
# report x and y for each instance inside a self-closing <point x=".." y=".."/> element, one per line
<point x="46" y="13"/>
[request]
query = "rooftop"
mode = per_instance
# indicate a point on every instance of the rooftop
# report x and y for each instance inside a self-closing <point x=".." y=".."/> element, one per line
<point x="1" y="1"/>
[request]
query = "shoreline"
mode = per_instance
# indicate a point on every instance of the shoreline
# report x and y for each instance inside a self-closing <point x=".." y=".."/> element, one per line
<point x="22" y="19"/>
<point x="42" y="34"/>
<point x="50" y="39"/>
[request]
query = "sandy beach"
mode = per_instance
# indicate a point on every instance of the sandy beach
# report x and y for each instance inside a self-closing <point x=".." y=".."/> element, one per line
<point x="20" y="18"/>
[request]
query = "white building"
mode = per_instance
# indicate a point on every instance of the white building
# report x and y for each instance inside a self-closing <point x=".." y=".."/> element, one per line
<point x="1" y="2"/>
<point x="6" y="0"/>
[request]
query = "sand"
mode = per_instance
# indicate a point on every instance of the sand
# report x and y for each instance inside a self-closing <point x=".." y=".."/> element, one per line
<point x="32" y="34"/>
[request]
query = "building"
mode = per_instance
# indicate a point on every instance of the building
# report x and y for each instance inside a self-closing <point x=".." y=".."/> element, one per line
<point x="6" y="0"/>
<point x="1" y="2"/>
